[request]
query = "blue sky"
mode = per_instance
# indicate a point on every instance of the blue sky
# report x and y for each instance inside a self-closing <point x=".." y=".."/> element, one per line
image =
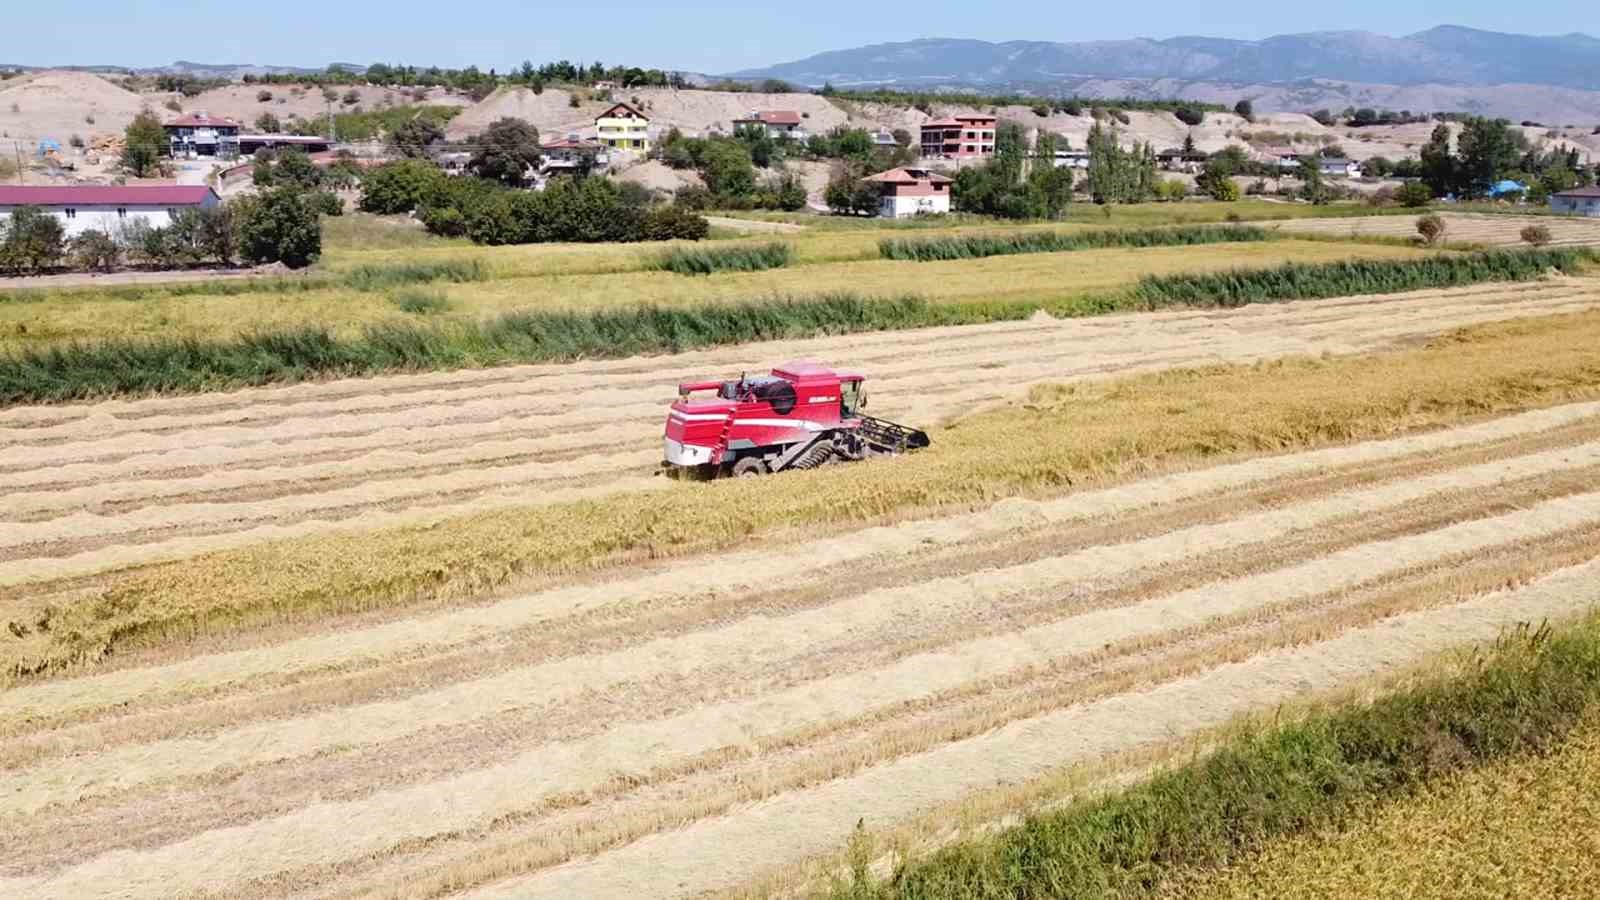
<point x="697" y="35"/>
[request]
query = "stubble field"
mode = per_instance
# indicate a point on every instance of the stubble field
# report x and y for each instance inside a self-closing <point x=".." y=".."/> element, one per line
<point x="446" y="635"/>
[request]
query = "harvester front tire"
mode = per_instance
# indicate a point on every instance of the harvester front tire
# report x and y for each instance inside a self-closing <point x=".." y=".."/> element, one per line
<point x="749" y="466"/>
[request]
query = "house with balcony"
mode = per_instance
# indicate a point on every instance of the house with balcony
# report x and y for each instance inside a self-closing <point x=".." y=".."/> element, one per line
<point x="778" y="123"/>
<point x="959" y="137"/>
<point x="909" y="191"/>
<point x="623" y="128"/>
<point x="572" y="155"/>
<point x="197" y="134"/>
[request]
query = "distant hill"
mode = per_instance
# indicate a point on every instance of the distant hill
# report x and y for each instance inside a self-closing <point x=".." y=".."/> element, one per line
<point x="228" y="71"/>
<point x="1447" y="55"/>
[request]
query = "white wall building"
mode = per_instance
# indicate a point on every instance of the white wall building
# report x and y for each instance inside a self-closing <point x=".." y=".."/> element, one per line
<point x="108" y="208"/>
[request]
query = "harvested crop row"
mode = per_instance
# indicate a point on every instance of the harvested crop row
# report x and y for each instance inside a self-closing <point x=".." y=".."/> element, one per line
<point x="299" y="844"/>
<point x="1227" y="411"/>
<point x="141" y="515"/>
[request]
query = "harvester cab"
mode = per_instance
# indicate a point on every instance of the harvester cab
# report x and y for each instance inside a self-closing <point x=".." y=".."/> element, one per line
<point x="801" y="416"/>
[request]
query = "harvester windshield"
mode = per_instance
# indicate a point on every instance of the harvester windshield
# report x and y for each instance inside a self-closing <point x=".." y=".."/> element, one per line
<point x="849" y="398"/>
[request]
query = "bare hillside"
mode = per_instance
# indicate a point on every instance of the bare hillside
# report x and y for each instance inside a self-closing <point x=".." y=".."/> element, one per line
<point x="60" y="104"/>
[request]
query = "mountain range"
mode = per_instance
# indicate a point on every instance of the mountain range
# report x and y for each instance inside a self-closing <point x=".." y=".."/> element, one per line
<point x="1446" y="55"/>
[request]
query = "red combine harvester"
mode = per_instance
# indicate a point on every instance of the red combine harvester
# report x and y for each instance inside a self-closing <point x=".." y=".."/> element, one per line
<point x="801" y="416"/>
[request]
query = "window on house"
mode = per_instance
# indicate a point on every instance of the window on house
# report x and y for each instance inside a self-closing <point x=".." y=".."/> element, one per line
<point x="122" y="212"/>
<point x="72" y="213"/>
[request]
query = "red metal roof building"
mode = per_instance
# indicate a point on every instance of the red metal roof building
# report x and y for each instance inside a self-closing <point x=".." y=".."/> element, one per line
<point x="109" y="208"/>
<point x="958" y="137"/>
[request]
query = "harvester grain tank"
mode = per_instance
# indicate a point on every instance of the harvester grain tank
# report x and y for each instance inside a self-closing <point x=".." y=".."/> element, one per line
<point x="801" y="416"/>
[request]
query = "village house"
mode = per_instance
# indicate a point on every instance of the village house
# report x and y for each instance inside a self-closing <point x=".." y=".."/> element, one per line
<point x="779" y="123"/>
<point x="572" y="155"/>
<point x="108" y="208"/>
<point x="958" y="137"/>
<point x="623" y="128"/>
<point x="198" y="135"/>
<point x="909" y="191"/>
<point x="1282" y="157"/>
<point x="250" y="143"/>
<point x="1577" y="202"/>
<point x="884" y="139"/>
<point x="1338" y="167"/>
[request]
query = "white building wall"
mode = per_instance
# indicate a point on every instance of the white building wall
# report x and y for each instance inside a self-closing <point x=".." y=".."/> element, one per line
<point x="109" y="219"/>
<point x="904" y="207"/>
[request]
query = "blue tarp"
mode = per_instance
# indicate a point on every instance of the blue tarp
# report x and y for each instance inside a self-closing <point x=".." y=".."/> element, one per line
<point x="46" y="145"/>
<point x="1508" y="187"/>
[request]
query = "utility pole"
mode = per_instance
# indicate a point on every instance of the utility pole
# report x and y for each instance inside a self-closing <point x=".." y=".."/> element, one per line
<point x="18" y="145"/>
<point x="333" y="130"/>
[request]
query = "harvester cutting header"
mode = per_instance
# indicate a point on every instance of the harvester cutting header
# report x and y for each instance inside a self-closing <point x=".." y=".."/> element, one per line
<point x="802" y="416"/>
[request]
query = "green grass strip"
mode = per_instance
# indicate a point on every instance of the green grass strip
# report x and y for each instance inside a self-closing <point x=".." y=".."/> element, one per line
<point x="976" y="246"/>
<point x="67" y="372"/>
<point x="1300" y="281"/>
<point x="740" y="258"/>
<point x="1523" y="696"/>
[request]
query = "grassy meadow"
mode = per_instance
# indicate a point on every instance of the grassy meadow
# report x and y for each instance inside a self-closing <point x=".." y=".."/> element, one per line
<point x="328" y="299"/>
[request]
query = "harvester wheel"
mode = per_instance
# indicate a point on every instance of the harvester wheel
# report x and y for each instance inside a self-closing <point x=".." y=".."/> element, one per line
<point x="749" y="465"/>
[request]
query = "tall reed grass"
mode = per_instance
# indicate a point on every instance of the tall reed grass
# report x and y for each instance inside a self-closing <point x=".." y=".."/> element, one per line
<point x="738" y="258"/>
<point x="1297" y="281"/>
<point x="379" y="278"/>
<point x="975" y="246"/>
<point x="58" y="373"/>
<point x="362" y="278"/>
<point x="1523" y="696"/>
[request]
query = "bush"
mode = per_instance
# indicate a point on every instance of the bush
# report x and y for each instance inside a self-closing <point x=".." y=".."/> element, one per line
<point x="263" y="96"/>
<point x="1187" y="115"/>
<point x="1537" y="235"/>
<point x="32" y="239"/>
<point x="1414" y="194"/>
<point x="1171" y="190"/>
<point x="1432" y="228"/>
<point x="400" y="187"/>
<point x="421" y="302"/>
<point x="76" y="142"/>
<point x="327" y="203"/>
<point x="741" y="258"/>
<point x="672" y="222"/>
<point x="279" y="225"/>
<point x="1225" y="190"/>
<point x="95" y="250"/>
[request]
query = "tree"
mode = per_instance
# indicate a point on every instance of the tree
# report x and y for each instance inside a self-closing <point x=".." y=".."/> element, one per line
<point x="294" y="168"/>
<point x="34" y="239"/>
<point x="95" y="249"/>
<point x="1188" y="145"/>
<point x="506" y="151"/>
<point x="1312" y="188"/>
<point x="848" y="194"/>
<point x="142" y="144"/>
<point x="1486" y="151"/>
<point x="1413" y="194"/>
<point x="400" y="187"/>
<point x="726" y="167"/>
<point x="267" y="123"/>
<point x="1325" y="118"/>
<point x="414" y="137"/>
<point x="279" y="225"/>
<point x="1117" y="175"/>
<point x="1245" y="110"/>
<point x="1189" y="115"/>
<point x="1437" y="163"/>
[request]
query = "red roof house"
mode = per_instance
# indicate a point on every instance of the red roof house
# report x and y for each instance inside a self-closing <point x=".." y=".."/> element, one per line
<point x="909" y="191"/>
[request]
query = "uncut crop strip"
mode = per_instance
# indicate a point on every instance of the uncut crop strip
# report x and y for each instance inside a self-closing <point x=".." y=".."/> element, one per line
<point x="124" y="484"/>
<point x="1488" y="230"/>
<point x="486" y="762"/>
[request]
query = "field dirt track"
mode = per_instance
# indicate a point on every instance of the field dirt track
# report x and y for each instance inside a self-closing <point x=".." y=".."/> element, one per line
<point x="1489" y="230"/>
<point x="675" y="728"/>
<point x="85" y="489"/>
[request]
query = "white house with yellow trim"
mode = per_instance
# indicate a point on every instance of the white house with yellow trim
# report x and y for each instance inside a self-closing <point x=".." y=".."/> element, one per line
<point x="623" y="128"/>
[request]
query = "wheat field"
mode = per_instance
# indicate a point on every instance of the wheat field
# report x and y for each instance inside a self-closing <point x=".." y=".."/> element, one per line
<point x="1463" y="228"/>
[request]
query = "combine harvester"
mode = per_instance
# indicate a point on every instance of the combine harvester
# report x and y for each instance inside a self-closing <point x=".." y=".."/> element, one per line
<point x="802" y="416"/>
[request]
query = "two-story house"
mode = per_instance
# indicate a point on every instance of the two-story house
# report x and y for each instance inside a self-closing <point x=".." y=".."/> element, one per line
<point x="198" y="134"/>
<point x="958" y="137"/>
<point x="779" y="123"/>
<point x="623" y="128"/>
